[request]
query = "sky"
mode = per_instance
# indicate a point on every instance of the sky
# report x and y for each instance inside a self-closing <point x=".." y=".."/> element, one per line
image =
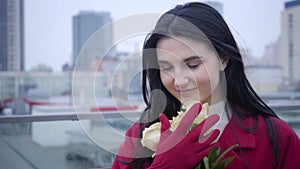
<point x="48" y="24"/>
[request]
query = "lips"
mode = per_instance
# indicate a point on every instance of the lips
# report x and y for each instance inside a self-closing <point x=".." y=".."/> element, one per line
<point x="186" y="91"/>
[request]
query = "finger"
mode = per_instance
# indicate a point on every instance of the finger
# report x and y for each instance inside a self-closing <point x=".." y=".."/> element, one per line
<point x="165" y="127"/>
<point x="188" y="119"/>
<point x="165" y="124"/>
<point x="205" y="151"/>
<point x="210" y="137"/>
<point x="204" y="126"/>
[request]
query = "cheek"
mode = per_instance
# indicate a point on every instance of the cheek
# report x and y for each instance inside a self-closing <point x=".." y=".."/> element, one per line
<point x="207" y="81"/>
<point x="202" y="76"/>
<point x="203" y="81"/>
<point x="167" y="80"/>
<point x="214" y="76"/>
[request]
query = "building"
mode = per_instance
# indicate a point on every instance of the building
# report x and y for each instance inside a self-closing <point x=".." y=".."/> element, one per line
<point x="54" y="83"/>
<point x="271" y="54"/>
<point x="41" y="68"/>
<point x="86" y="24"/>
<point x="125" y="79"/>
<point x="248" y="58"/>
<point x="265" y="79"/>
<point x="11" y="35"/>
<point x="289" y="44"/>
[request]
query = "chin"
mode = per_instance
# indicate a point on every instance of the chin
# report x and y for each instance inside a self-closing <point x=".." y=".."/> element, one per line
<point x="184" y="100"/>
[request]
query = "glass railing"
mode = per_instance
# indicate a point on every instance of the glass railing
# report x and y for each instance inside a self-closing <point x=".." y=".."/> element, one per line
<point x="290" y="114"/>
<point x="62" y="141"/>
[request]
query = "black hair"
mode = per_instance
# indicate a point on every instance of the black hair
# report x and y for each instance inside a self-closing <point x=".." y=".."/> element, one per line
<point x="242" y="100"/>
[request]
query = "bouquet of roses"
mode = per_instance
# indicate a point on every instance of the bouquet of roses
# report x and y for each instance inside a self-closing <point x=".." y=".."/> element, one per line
<point x="151" y="137"/>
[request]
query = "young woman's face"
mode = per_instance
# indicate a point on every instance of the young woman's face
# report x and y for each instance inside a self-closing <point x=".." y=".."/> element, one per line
<point x="189" y="69"/>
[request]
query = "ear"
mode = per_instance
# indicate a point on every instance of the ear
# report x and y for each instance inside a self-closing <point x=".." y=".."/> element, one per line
<point x="225" y="61"/>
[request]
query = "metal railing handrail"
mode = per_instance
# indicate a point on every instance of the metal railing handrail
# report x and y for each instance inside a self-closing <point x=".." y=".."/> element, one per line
<point x="67" y="116"/>
<point x="282" y="108"/>
<point x="97" y="115"/>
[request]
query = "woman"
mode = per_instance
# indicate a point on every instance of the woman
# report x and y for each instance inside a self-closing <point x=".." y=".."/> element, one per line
<point x="192" y="55"/>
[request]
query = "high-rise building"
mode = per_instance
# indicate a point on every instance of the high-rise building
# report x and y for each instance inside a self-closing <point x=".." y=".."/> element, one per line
<point x="11" y="35"/>
<point x="290" y="42"/>
<point x="85" y="24"/>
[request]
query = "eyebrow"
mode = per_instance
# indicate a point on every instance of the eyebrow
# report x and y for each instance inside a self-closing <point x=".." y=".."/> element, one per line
<point x="184" y="60"/>
<point x="192" y="58"/>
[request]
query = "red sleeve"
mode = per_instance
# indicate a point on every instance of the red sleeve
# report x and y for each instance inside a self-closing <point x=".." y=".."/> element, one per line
<point x="289" y="144"/>
<point x="126" y="150"/>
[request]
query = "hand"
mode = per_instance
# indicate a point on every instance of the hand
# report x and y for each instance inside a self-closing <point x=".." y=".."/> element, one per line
<point x="181" y="150"/>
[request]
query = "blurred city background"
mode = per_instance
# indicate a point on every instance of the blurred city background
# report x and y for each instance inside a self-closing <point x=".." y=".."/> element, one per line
<point x="44" y="73"/>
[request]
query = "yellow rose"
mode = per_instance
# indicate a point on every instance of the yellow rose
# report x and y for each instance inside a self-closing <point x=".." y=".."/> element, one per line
<point x="202" y="115"/>
<point x="151" y="136"/>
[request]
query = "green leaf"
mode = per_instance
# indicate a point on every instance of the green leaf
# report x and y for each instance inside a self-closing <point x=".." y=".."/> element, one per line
<point x="228" y="160"/>
<point x="225" y="152"/>
<point x="198" y="166"/>
<point x="206" y="163"/>
<point x="214" y="160"/>
<point x="223" y="164"/>
<point x="220" y="165"/>
<point x="213" y="153"/>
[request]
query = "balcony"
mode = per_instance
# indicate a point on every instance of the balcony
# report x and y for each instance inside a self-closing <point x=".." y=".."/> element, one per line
<point x="60" y="140"/>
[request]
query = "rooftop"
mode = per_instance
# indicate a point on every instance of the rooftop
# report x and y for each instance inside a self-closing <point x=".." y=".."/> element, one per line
<point x="291" y="4"/>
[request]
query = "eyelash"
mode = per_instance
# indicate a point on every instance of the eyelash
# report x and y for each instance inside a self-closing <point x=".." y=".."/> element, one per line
<point x="193" y="66"/>
<point x="171" y="67"/>
<point x="166" y="69"/>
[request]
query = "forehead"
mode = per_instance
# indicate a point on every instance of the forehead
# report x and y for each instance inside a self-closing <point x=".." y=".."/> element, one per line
<point x="181" y="47"/>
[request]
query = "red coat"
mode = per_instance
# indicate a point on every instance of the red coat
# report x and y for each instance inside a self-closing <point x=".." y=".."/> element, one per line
<point x="256" y="146"/>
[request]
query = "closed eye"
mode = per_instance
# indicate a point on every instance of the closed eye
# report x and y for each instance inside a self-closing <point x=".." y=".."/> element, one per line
<point x="165" y="67"/>
<point x="193" y="63"/>
<point x="193" y="66"/>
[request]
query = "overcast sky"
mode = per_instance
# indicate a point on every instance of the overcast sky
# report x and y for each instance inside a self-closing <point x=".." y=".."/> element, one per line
<point x="48" y="28"/>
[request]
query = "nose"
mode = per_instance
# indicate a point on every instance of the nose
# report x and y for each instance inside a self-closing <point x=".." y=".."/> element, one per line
<point x="181" y="79"/>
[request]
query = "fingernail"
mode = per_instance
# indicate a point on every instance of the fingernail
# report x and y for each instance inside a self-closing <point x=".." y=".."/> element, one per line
<point x="197" y="107"/>
<point x="217" y="117"/>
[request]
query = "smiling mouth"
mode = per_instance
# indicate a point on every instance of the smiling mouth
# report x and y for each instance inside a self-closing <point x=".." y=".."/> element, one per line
<point x="185" y="92"/>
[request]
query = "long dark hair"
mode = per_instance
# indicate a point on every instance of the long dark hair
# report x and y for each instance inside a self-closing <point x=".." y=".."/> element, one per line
<point x="241" y="97"/>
